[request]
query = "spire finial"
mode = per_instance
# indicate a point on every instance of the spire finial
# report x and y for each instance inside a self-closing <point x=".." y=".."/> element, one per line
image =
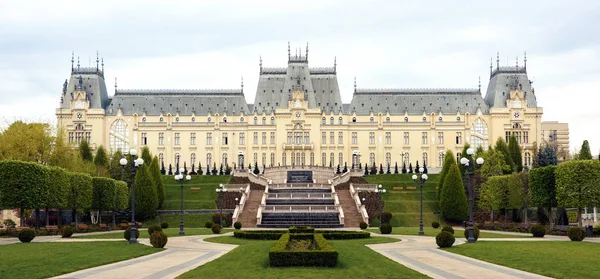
<point x="517" y="63"/>
<point x="242" y="84"/>
<point x="260" y="63"/>
<point x="479" y="84"/>
<point x="77" y="62"/>
<point x="354" y="84"/>
<point x="306" y="51"/>
<point x="72" y="60"/>
<point x="97" y="61"/>
<point x="335" y="64"/>
<point x="102" y="65"/>
<point x="497" y="60"/>
<point x="289" y="53"/>
<point x="525" y="60"/>
<point x="490" y="67"/>
<point x="115" y="85"/>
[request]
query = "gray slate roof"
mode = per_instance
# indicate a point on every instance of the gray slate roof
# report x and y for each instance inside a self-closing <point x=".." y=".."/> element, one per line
<point x="505" y="79"/>
<point x="93" y="84"/>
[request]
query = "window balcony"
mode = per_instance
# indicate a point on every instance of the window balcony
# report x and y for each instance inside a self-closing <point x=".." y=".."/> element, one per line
<point x="299" y="146"/>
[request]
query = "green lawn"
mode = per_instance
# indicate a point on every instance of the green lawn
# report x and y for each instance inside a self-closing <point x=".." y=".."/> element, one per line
<point x="559" y="259"/>
<point x="171" y="232"/>
<point x="192" y="199"/>
<point x="404" y="204"/>
<point x="429" y="231"/>
<point x="43" y="260"/>
<point x="251" y="260"/>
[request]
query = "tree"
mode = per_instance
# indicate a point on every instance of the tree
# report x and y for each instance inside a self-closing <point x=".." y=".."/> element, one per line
<point x="492" y="194"/>
<point x="546" y="156"/>
<point x="380" y="168"/>
<point x="163" y="171"/>
<point x="185" y="168"/>
<point x="388" y="169"/>
<point x="425" y="167"/>
<point x="256" y="170"/>
<point x="26" y="142"/>
<point x="199" y="168"/>
<point x="448" y="162"/>
<point x="366" y="169"/>
<point x="396" y="168"/>
<point x="453" y="202"/>
<point x="417" y="167"/>
<point x="338" y="170"/>
<point x="80" y="193"/>
<point x="122" y="198"/>
<point x="62" y="153"/>
<point x="115" y="169"/>
<point x="373" y="169"/>
<point x="494" y="165"/>
<point x="577" y="184"/>
<point x="543" y="190"/>
<point x="146" y="201"/>
<point x="146" y="155"/>
<point x="85" y="152"/>
<point x="156" y="177"/>
<point x="101" y="161"/>
<point x="345" y="170"/>
<point x="171" y="170"/>
<point x="514" y="193"/>
<point x="585" y="153"/>
<point x="515" y="153"/>
<point x="503" y="148"/>
<point x="58" y="187"/>
<point x="214" y="170"/>
<point x="23" y="185"/>
<point x="221" y="170"/>
<point x="403" y="167"/>
<point x="410" y="168"/>
<point x="193" y="172"/>
<point x="103" y="195"/>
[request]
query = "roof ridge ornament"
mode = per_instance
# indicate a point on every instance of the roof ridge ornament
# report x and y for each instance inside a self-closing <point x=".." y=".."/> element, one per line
<point x="335" y="64"/>
<point x="525" y="60"/>
<point x="97" y="62"/>
<point x="72" y="61"/>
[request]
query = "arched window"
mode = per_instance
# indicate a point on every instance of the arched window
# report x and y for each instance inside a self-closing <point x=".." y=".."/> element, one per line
<point x="283" y="159"/>
<point x="312" y="158"/>
<point x="479" y="134"/>
<point x="177" y="157"/>
<point x="424" y="119"/>
<point x="255" y="120"/>
<point x="208" y="160"/>
<point x="323" y="121"/>
<point x="527" y="159"/>
<point x="458" y="119"/>
<point x="425" y="158"/>
<point x="161" y="159"/>
<point x="371" y="159"/>
<point x="192" y="158"/>
<point x="372" y="119"/>
<point x="388" y="159"/>
<point x="341" y="159"/>
<point x="323" y="159"/>
<point x="331" y="121"/>
<point x="441" y="159"/>
<point x="353" y="119"/>
<point x="405" y="119"/>
<point x="406" y="159"/>
<point x="516" y="126"/>
<point x="224" y="160"/>
<point x="272" y="120"/>
<point x="458" y="156"/>
<point x="225" y="119"/>
<point x="340" y="121"/>
<point x="119" y="136"/>
<point x="387" y="119"/>
<point x="332" y="159"/>
<point x="303" y="158"/>
<point x="241" y="119"/>
<point x="264" y="121"/>
<point x="264" y="159"/>
<point x="272" y="159"/>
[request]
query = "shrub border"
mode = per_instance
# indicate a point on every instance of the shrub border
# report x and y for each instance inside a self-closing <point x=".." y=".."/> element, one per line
<point x="325" y="255"/>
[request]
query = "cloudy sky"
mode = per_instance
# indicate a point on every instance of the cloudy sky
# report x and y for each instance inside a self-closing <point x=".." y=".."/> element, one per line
<point x="212" y="44"/>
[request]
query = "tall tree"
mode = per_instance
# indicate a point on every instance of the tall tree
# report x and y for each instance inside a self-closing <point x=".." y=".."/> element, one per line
<point x="577" y="184"/>
<point x="515" y="153"/>
<point x="494" y="165"/>
<point x="492" y="194"/>
<point x="26" y="142"/>
<point x="155" y="172"/>
<point x="58" y="187"/>
<point x="543" y="190"/>
<point x="546" y="156"/>
<point x="122" y="198"/>
<point x="80" y="193"/>
<point x="503" y="148"/>
<point x="23" y="185"/>
<point x="146" y="155"/>
<point x="85" y="152"/>
<point x="448" y="162"/>
<point x="146" y="201"/>
<point x="103" y="195"/>
<point x="101" y="161"/>
<point x="585" y="153"/>
<point x="115" y="169"/>
<point x="62" y="154"/>
<point x="453" y="203"/>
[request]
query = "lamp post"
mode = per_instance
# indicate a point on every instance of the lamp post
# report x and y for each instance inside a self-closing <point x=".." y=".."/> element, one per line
<point x="468" y="172"/>
<point x="241" y="159"/>
<point x="221" y="190"/>
<point x="420" y="180"/>
<point x="179" y="177"/>
<point x="135" y="164"/>
<point x="380" y="192"/>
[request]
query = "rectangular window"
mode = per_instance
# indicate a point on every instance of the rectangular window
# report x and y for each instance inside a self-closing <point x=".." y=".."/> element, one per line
<point x="340" y="138"/>
<point x="255" y="158"/>
<point x="354" y="138"/>
<point x="161" y="138"/>
<point x="424" y="138"/>
<point x="525" y="137"/>
<point x="255" y="138"/>
<point x="331" y="137"/>
<point x="371" y="138"/>
<point x="440" y="138"/>
<point x="273" y="139"/>
<point x="70" y="137"/>
<point x="388" y="138"/>
<point x="208" y="138"/>
<point x="225" y="139"/>
<point x="283" y="159"/>
<point x="264" y="138"/>
<point x="323" y="138"/>
<point x="406" y="139"/>
<point x="458" y="137"/>
<point x="306" y="138"/>
<point x="242" y="138"/>
<point x="290" y="139"/>
<point x="323" y="159"/>
<point x="177" y="139"/>
<point x="144" y="139"/>
<point x="507" y="135"/>
<point x="193" y="138"/>
<point x="272" y="159"/>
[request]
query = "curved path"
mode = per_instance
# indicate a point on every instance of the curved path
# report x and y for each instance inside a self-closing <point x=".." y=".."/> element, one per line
<point x="421" y="254"/>
<point x="182" y="254"/>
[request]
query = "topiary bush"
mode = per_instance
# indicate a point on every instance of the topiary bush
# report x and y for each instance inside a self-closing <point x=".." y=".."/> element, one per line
<point x="537" y="230"/>
<point x="363" y="225"/>
<point x="596" y="230"/>
<point x="164" y="225"/>
<point x="385" y="229"/>
<point x="216" y="229"/>
<point x="448" y="229"/>
<point x="127" y="234"/>
<point x="26" y="235"/>
<point x="444" y="239"/>
<point x="386" y="217"/>
<point x="208" y="224"/>
<point x="67" y="231"/>
<point x="237" y="225"/>
<point x="435" y="224"/>
<point x="155" y="228"/>
<point x="575" y="234"/>
<point x="475" y="232"/>
<point x="158" y="239"/>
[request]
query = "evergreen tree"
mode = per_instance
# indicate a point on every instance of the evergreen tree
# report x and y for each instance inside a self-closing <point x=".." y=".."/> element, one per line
<point x="101" y="161"/>
<point x="200" y="169"/>
<point x="448" y="162"/>
<point x="380" y="168"/>
<point x="185" y="168"/>
<point x="214" y="170"/>
<point x="503" y="148"/>
<point x="193" y="172"/>
<point x="146" y="201"/>
<point x="494" y="165"/>
<point x="115" y="169"/>
<point x="585" y="153"/>
<point x="256" y="170"/>
<point x="403" y="167"/>
<point x="396" y="168"/>
<point x="345" y="167"/>
<point x="85" y="152"/>
<point x="155" y="173"/>
<point x="146" y="155"/>
<point x="534" y="157"/>
<point x="249" y="166"/>
<point x="163" y="171"/>
<point x="366" y="169"/>
<point x="373" y="169"/>
<point x="170" y="170"/>
<point x="221" y="170"/>
<point x="417" y="167"/>
<point x="360" y="166"/>
<point x="410" y="169"/>
<point x="338" y="171"/>
<point x="388" y="170"/>
<point x="424" y="167"/>
<point x="463" y="153"/>
<point x="453" y="202"/>
<point x="515" y="153"/>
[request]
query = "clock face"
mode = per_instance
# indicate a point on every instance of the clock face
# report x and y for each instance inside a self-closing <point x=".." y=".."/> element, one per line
<point x="517" y="115"/>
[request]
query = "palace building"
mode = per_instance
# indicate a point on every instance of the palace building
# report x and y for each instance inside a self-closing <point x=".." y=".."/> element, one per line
<point x="298" y="118"/>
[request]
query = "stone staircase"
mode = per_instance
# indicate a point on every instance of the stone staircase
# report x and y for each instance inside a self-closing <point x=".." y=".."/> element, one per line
<point x="248" y="215"/>
<point x="352" y="217"/>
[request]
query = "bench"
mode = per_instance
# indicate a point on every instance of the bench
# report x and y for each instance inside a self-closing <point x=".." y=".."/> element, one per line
<point x="18" y="229"/>
<point x="138" y="224"/>
<point x="411" y="187"/>
<point x="195" y="188"/>
<point x="83" y="227"/>
<point x="51" y="229"/>
<point x="488" y="222"/>
<point x="398" y="188"/>
<point x="104" y="227"/>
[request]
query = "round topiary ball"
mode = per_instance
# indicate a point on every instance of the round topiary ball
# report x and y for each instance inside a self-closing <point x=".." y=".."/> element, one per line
<point x="164" y="225"/>
<point x="444" y="239"/>
<point x="158" y="239"/>
<point x="575" y="234"/>
<point x="537" y="230"/>
<point x="67" y="231"/>
<point x="216" y="229"/>
<point x="435" y="224"/>
<point x="26" y="235"/>
<point x="208" y="224"/>
<point x="237" y="225"/>
<point x="385" y="229"/>
<point x="475" y="233"/>
<point x="363" y="225"/>
<point x="155" y="228"/>
<point x="127" y="234"/>
<point x="448" y="229"/>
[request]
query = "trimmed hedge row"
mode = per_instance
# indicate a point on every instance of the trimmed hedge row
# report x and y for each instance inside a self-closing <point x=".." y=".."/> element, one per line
<point x="324" y="255"/>
<point x="276" y="234"/>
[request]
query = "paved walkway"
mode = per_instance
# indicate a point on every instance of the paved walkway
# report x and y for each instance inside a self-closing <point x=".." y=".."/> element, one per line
<point x="421" y="254"/>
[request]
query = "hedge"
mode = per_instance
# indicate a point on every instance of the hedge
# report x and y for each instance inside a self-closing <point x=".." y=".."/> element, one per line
<point x="23" y="185"/>
<point x="576" y="183"/>
<point x="324" y="255"/>
<point x="276" y="234"/>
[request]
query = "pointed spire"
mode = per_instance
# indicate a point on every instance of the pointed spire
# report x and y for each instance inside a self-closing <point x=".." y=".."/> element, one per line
<point x="517" y="63"/>
<point x="77" y="62"/>
<point x="306" y="51"/>
<point x="97" y="61"/>
<point x="479" y="84"/>
<point x="525" y="61"/>
<point x="242" y="84"/>
<point x="497" y="60"/>
<point x="72" y="60"/>
<point x="335" y="64"/>
<point x="354" y="84"/>
<point x="490" y="67"/>
<point x="115" y="85"/>
<point x="260" y="63"/>
<point x="102" y="65"/>
<point x="289" y="54"/>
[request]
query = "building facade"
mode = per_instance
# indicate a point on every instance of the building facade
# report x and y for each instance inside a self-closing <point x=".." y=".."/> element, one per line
<point x="298" y="118"/>
<point x="556" y="134"/>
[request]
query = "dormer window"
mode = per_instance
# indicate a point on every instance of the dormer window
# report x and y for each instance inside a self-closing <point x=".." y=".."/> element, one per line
<point x="440" y="119"/>
<point x="372" y="119"/>
<point x="458" y="119"/>
<point x="193" y="119"/>
<point x="353" y="119"/>
<point x="225" y="119"/>
<point x="176" y="119"/>
<point x="405" y="119"/>
<point x="424" y="119"/>
<point x="161" y="119"/>
<point x="387" y="119"/>
<point x="208" y="119"/>
<point x="323" y="121"/>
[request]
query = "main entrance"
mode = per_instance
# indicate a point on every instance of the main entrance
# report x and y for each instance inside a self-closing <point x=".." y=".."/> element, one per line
<point x="299" y="177"/>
